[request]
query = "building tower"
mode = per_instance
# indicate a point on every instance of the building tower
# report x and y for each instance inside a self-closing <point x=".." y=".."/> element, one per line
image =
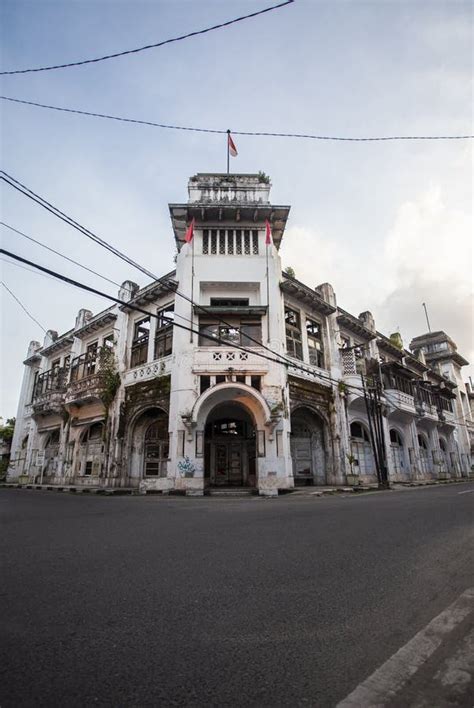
<point x="229" y="422"/>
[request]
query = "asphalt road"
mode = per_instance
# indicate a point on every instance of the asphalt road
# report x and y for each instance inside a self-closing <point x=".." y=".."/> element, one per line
<point x="137" y="601"/>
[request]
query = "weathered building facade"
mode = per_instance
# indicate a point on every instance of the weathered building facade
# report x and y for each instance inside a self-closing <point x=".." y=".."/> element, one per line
<point x="228" y="372"/>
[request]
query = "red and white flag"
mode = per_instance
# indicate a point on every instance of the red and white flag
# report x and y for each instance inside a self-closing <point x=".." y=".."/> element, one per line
<point x="189" y="232"/>
<point x="268" y="233"/>
<point x="231" y="146"/>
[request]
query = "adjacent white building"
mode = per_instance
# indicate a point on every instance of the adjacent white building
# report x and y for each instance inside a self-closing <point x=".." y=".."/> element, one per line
<point x="228" y="372"/>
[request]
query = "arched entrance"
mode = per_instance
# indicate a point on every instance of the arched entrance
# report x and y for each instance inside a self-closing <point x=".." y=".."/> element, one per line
<point x="307" y="447"/>
<point x="91" y="451"/>
<point x="361" y="450"/>
<point x="397" y="452"/>
<point x="51" y="454"/>
<point x="230" y="447"/>
<point x="425" y="461"/>
<point x="148" y="446"/>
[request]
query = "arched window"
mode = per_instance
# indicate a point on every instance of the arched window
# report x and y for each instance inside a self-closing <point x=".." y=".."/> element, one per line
<point x="359" y="432"/>
<point x="422" y="442"/>
<point x="396" y="438"/>
<point x="156" y="448"/>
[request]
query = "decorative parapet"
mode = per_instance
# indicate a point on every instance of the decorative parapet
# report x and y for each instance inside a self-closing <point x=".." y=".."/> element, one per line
<point x="221" y="359"/>
<point x="148" y="371"/>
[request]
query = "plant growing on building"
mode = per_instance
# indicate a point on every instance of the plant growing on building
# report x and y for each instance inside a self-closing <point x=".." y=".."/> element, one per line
<point x="110" y="377"/>
<point x="342" y="388"/>
<point x="290" y="271"/>
<point x="264" y="178"/>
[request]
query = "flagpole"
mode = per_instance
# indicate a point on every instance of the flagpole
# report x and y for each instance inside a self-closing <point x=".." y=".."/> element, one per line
<point x="268" y="299"/>
<point x="228" y="136"/>
<point x="192" y="290"/>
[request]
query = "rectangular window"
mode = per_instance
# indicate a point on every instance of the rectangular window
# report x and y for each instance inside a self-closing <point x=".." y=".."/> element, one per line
<point x="164" y="332"/>
<point x="229" y="302"/>
<point x="108" y="341"/>
<point x="91" y="359"/>
<point x="255" y="382"/>
<point x="315" y="343"/>
<point x="293" y="333"/>
<point x="241" y="331"/>
<point x="204" y="383"/>
<point x="238" y="242"/>
<point x="141" y="335"/>
<point x="205" y="242"/>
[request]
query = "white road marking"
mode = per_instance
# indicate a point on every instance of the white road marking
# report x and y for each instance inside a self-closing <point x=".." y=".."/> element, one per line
<point x="468" y="491"/>
<point x="380" y="688"/>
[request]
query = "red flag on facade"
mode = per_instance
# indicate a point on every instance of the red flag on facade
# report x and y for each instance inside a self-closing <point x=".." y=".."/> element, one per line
<point x="231" y="146"/>
<point x="268" y="233"/>
<point x="189" y="232"/>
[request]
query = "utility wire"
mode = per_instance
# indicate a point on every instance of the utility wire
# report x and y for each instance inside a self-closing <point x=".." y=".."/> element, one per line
<point x="260" y="133"/>
<point x="136" y="308"/>
<point x="149" y="46"/>
<point x="22" y="306"/>
<point x="62" y="255"/>
<point x="282" y="358"/>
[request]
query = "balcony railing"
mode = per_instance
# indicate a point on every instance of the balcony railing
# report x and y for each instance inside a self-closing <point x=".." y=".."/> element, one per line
<point x="49" y="391"/>
<point x="86" y="382"/>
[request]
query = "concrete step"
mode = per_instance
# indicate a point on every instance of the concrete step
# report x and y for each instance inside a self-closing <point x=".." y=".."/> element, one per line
<point x="231" y="492"/>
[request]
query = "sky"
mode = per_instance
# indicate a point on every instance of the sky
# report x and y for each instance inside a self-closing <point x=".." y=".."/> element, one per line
<point x="388" y="224"/>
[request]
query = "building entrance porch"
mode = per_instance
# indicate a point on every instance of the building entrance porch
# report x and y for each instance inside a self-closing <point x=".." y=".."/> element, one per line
<point x="230" y="450"/>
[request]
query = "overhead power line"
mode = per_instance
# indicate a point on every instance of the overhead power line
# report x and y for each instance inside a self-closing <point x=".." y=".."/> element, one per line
<point x="218" y="131"/>
<point x="180" y="38"/>
<point x="26" y="191"/>
<point x="62" y="255"/>
<point x="22" y="306"/>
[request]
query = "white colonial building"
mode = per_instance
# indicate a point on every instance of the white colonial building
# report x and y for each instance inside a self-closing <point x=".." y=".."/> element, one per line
<point x="228" y="372"/>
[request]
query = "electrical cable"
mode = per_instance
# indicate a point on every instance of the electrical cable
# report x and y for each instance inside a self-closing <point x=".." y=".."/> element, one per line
<point x="62" y="255"/>
<point x="26" y="191"/>
<point x="148" y="46"/>
<point x="284" y="359"/>
<point x="22" y="306"/>
<point x="306" y="136"/>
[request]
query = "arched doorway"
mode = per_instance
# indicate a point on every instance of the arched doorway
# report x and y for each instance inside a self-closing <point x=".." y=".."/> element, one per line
<point x="307" y="447"/>
<point x="443" y="446"/>
<point x="156" y="448"/>
<point x="148" y="446"/>
<point x="424" y="455"/>
<point x="51" y="454"/>
<point x="361" y="450"/>
<point x="397" y="452"/>
<point x="91" y="451"/>
<point x="230" y="447"/>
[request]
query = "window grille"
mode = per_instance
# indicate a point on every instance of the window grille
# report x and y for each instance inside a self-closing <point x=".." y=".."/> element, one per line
<point x="230" y="242"/>
<point x="247" y="243"/>
<point x="221" y="242"/>
<point x="213" y="242"/>
<point x="255" y="242"/>
<point x="238" y="242"/>
<point x="205" y="242"/>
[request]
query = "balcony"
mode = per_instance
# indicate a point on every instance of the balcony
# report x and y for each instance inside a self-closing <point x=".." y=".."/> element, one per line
<point x="217" y="360"/>
<point x="149" y="370"/>
<point x="86" y="383"/>
<point x="49" y="392"/>
<point x="400" y="403"/>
